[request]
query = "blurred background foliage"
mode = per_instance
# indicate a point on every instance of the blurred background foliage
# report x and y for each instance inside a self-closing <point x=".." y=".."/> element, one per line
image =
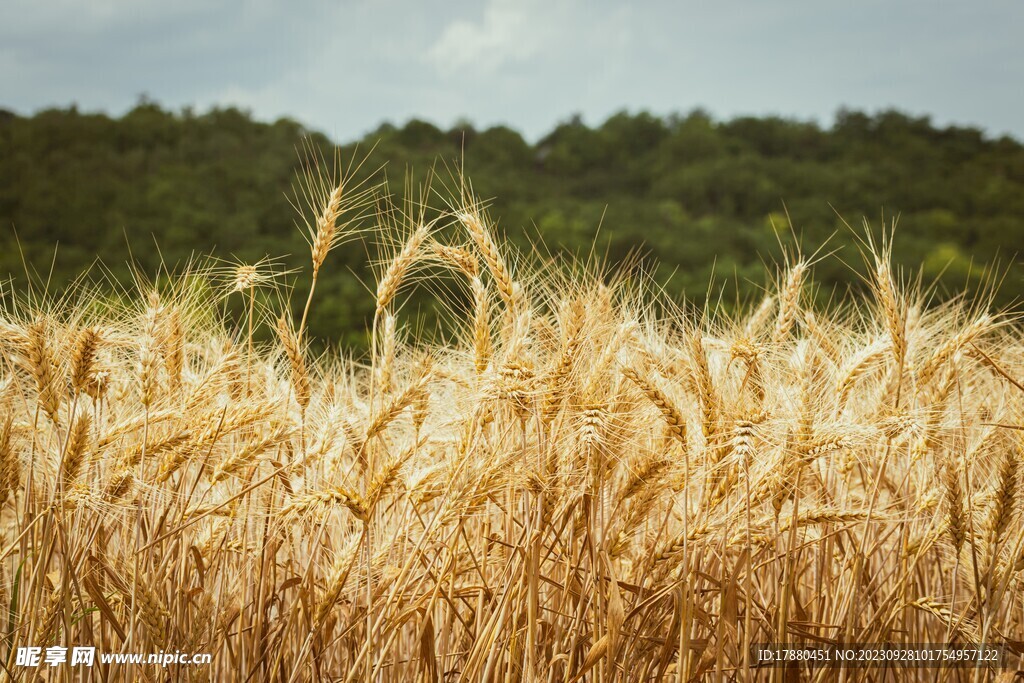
<point x="707" y="203"/>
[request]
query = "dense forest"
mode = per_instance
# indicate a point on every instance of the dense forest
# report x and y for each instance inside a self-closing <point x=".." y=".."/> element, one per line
<point x="706" y="203"/>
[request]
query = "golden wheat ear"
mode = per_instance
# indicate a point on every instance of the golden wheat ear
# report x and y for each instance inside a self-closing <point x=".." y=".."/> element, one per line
<point x="295" y="354"/>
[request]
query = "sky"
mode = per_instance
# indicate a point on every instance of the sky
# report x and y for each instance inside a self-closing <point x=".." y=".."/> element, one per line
<point x="345" y="66"/>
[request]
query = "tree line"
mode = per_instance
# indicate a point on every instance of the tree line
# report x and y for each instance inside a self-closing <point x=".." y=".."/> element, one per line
<point x="702" y="204"/>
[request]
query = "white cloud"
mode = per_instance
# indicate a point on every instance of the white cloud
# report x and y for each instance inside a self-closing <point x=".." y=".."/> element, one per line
<point x="510" y="31"/>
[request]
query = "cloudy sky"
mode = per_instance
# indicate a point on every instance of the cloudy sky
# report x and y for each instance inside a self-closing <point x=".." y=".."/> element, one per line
<point x="343" y="66"/>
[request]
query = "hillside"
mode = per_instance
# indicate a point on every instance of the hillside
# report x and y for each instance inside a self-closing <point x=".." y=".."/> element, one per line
<point x="701" y="197"/>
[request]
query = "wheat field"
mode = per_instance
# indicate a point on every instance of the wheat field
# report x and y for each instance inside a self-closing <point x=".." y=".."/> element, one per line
<point x="583" y="482"/>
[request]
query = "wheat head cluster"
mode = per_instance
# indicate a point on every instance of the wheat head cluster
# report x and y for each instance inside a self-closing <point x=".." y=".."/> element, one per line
<point x="580" y="481"/>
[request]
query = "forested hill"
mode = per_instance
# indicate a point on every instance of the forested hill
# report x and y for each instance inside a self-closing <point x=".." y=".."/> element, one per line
<point x="702" y="196"/>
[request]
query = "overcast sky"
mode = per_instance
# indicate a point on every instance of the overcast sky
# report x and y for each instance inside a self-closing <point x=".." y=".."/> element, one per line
<point x="344" y="66"/>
